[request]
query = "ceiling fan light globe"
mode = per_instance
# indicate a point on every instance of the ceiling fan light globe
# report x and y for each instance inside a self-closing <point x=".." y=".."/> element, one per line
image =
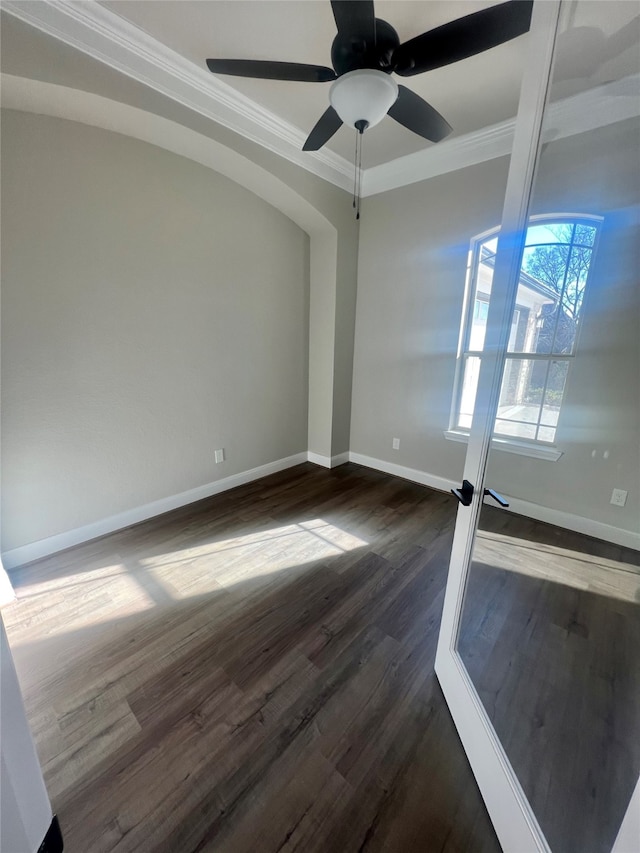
<point x="363" y="95"/>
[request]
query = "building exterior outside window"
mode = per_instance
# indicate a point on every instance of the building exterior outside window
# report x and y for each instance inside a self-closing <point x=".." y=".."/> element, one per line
<point x="545" y="323"/>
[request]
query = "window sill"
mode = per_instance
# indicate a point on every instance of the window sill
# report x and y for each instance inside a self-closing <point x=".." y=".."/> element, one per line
<point x="536" y="451"/>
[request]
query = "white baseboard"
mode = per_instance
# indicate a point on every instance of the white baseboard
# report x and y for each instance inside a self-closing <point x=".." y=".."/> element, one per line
<point x="578" y="523"/>
<point x="413" y="474"/>
<point x="52" y="544"/>
<point x="328" y="461"/>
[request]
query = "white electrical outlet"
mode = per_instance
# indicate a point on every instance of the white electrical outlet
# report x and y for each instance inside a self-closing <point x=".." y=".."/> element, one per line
<point x="396" y="444"/>
<point x="219" y="455"/>
<point x="618" y="497"/>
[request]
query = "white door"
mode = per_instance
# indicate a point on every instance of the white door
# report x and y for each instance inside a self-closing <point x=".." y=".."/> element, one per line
<point x="540" y="641"/>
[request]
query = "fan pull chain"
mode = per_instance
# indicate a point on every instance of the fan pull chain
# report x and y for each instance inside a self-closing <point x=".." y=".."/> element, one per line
<point x="357" y="177"/>
<point x="360" y="135"/>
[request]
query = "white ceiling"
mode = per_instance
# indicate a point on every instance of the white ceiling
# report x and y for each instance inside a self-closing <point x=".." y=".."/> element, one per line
<point x="164" y="44"/>
<point x="477" y="92"/>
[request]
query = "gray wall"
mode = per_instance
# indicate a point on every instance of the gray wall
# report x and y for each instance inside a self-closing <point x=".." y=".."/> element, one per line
<point x="26" y="52"/>
<point x="412" y="260"/>
<point x="414" y="243"/>
<point x="153" y="311"/>
<point x="413" y="254"/>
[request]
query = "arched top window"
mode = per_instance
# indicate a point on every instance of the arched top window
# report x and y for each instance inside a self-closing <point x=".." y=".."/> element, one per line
<point x="546" y="319"/>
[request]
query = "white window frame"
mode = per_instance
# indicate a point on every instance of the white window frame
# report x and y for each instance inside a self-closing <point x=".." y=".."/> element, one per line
<point x="535" y="448"/>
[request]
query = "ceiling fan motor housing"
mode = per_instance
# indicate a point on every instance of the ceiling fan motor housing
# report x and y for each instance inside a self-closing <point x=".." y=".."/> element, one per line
<point x="367" y="50"/>
<point x="363" y="95"/>
<point x="350" y="51"/>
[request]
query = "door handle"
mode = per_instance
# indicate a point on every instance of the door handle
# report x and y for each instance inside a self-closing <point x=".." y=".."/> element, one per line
<point x="464" y="493"/>
<point x="498" y="498"/>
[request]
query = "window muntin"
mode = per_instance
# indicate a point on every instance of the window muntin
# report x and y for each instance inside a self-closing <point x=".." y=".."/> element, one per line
<point x="545" y="323"/>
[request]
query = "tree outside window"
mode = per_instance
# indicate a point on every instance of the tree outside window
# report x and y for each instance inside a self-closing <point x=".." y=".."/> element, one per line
<point x="545" y="322"/>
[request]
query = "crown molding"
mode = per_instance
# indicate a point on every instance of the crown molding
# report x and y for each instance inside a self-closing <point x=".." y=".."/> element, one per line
<point x="110" y="39"/>
<point x="603" y="105"/>
<point x="103" y="35"/>
<point x="477" y="147"/>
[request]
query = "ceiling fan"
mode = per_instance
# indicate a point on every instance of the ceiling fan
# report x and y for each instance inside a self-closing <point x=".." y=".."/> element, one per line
<point x="367" y="50"/>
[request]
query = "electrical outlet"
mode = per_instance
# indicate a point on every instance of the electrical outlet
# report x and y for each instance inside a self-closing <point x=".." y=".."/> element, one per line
<point x="618" y="497"/>
<point x="219" y="455"/>
<point x="396" y="444"/>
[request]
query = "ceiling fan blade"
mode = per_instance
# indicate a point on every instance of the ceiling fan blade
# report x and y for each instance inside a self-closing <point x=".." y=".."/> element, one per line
<point x="417" y="115"/>
<point x="267" y="70"/>
<point x="464" y="37"/>
<point x="355" y="17"/>
<point x="326" y="126"/>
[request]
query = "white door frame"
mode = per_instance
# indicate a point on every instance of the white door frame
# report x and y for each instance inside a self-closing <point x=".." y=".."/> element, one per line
<point x="514" y="821"/>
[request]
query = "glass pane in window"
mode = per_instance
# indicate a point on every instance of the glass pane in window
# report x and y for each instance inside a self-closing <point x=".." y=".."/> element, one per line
<point x="478" y="324"/>
<point x="571" y="299"/>
<point x="491" y="246"/>
<point x="469" y="389"/>
<point x="523" y="385"/>
<point x="554" y="392"/>
<point x="542" y="233"/>
<point x="526" y="431"/>
<point x="482" y="293"/>
<point x="585" y="235"/>
<point x="542" y="278"/>
<point x="546" y="267"/>
<point x="546" y="434"/>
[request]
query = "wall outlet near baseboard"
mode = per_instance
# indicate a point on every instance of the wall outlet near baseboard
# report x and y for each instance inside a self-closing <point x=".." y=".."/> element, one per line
<point x="618" y="497"/>
<point x="396" y="444"/>
<point x="219" y="455"/>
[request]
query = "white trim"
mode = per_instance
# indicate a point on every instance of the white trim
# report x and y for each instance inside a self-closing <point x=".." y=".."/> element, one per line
<point x="449" y="156"/>
<point x="510" y="811"/>
<point x="578" y="523"/>
<point x="629" y="832"/>
<point x="45" y="547"/>
<point x="513" y="819"/>
<point x="52" y="544"/>
<point x="340" y="459"/>
<point x="105" y="36"/>
<point x="536" y="451"/>
<point x="577" y="114"/>
<point x="514" y="823"/>
<point x="442" y="484"/>
<point x="567" y="520"/>
<point x="328" y="461"/>
<point x="318" y="459"/>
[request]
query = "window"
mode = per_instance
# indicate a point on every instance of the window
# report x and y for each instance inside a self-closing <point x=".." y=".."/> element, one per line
<point x="544" y="327"/>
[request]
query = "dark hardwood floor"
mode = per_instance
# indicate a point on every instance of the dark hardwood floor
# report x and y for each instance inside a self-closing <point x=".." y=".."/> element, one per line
<point x="550" y="634"/>
<point x="255" y="672"/>
<point x="252" y="673"/>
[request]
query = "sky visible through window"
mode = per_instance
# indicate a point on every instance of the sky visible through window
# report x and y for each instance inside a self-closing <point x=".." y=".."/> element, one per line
<point x="545" y="322"/>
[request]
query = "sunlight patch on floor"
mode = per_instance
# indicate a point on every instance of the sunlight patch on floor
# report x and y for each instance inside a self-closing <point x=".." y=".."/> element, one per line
<point x="75" y="601"/>
<point x="560" y="565"/>
<point x="260" y="555"/>
<point x="68" y="582"/>
<point x="99" y="595"/>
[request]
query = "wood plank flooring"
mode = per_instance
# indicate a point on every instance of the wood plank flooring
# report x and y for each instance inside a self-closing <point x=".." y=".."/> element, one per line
<point x="252" y="673"/>
<point x="550" y="634"/>
<point x="255" y="672"/>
